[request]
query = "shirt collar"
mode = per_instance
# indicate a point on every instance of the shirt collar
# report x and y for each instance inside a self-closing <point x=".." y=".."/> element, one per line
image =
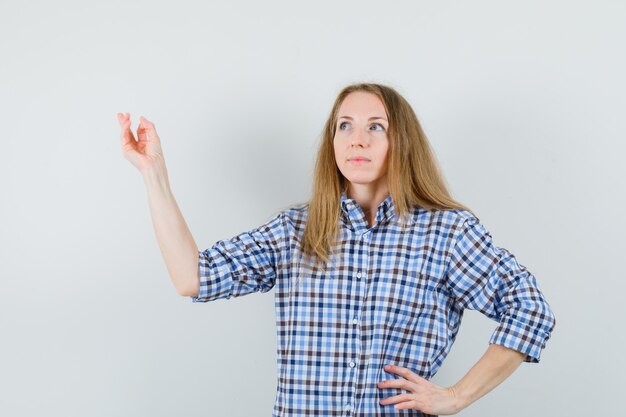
<point x="385" y="210"/>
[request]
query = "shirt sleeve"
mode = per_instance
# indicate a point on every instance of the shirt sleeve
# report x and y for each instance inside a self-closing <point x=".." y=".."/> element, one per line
<point x="243" y="264"/>
<point x="487" y="278"/>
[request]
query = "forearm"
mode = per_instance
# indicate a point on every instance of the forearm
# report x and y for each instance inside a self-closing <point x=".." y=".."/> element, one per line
<point x="178" y="248"/>
<point x="495" y="366"/>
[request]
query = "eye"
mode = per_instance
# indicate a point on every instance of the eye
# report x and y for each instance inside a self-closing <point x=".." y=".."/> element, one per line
<point x="341" y="124"/>
<point x="382" y="128"/>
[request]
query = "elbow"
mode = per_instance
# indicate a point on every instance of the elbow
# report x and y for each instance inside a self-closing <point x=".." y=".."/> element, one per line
<point x="551" y="322"/>
<point x="191" y="290"/>
<point x="188" y="292"/>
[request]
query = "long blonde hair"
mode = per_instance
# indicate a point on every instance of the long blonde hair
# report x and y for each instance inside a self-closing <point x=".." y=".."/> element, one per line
<point x="413" y="175"/>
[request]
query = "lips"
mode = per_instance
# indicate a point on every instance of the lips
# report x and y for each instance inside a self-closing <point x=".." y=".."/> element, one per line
<point x="358" y="161"/>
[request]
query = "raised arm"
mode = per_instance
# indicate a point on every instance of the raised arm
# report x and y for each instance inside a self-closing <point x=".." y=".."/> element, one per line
<point x="177" y="245"/>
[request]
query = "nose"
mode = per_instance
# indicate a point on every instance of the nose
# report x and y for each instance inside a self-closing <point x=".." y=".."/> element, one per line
<point x="360" y="138"/>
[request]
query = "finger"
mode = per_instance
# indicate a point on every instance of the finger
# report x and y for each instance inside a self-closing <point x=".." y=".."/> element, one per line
<point x="395" y="369"/>
<point x="395" y="383"/>
<point x="126" y="134"/>
<point x="122" y="117"/>
<point x="150" y="130"/>
<point x="396" y="399"/>
<point x="141" y="133"/>
<point x="411" y="404"/>
<point x="402" y="371"/>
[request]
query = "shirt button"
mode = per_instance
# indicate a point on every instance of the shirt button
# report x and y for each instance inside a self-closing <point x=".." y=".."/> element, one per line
<point x="349" y="206"/>
<point x="352" y="364"/>
<point x="348" y="407"/>
<point x="355" y="321"/>
<point x="358" y="275"/>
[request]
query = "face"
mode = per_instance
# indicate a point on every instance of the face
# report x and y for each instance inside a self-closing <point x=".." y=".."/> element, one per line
<point x="360" y="141"/>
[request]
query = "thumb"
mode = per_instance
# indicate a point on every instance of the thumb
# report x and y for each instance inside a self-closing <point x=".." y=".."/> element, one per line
<point x="150" y="130"/>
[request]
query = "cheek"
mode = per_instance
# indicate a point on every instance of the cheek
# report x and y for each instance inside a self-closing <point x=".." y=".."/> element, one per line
<point x="338" y="156"/>
<point x="336" y="149"/>
<point x="383" y="152"/>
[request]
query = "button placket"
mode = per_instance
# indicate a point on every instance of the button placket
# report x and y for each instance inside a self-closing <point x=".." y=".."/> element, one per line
<point x="361" y="289"/>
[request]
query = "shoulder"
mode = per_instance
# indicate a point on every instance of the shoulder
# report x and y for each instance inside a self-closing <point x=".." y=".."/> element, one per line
<point x="295" y="211"/>
<point x="451" y="219"/>
<point x="294" y="216"/>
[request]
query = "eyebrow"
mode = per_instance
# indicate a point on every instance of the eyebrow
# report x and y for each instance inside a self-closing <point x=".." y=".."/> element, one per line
<point x="371" y="118"/>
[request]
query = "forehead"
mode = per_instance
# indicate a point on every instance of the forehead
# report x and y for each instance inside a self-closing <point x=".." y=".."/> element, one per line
<point x="362" y="103"/>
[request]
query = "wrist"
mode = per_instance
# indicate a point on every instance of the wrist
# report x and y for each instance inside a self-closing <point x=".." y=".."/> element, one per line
<point x="460" y="398"/>
<point x="156" y="176"/>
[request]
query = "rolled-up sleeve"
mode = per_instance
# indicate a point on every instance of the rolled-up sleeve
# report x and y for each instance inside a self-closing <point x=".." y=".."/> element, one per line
<point x="489" y="279"/>
<point x="244" y="264"/>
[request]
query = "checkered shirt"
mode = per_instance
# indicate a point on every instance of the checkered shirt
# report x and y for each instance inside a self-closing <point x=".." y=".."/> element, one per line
<point x="393" y="293"/>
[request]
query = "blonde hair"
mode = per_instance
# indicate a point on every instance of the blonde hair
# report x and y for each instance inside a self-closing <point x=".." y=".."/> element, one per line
<point x="413" y="174"/>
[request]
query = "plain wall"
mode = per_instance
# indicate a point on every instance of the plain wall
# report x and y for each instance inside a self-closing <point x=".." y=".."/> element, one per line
<point x="523" y="102"/>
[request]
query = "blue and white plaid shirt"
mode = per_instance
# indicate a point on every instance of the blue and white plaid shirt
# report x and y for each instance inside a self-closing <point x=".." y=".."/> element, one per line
<point x="393" y="293"/>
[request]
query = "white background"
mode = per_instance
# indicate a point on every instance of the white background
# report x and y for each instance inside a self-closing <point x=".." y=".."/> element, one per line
<point x="523" y="102"/>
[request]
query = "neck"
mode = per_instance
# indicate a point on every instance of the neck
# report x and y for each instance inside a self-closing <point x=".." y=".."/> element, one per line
<point x="368" y="197"/>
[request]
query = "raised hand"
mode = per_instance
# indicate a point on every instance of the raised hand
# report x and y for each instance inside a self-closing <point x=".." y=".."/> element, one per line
<point x="144" y="152"/>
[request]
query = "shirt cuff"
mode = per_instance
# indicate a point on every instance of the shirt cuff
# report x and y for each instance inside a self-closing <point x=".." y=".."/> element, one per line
<point x="521" y="337"/>
<point x="211" y="287"/>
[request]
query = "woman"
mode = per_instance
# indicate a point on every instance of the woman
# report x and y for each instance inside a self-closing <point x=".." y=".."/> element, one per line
<point x="372" y="275"/>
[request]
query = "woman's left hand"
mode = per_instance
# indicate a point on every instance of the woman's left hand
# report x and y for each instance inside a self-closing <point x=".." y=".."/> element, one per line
<point x="424" y="395"/>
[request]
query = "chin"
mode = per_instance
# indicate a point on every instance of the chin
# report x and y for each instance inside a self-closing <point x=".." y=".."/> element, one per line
<point x="361" y="181"/>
